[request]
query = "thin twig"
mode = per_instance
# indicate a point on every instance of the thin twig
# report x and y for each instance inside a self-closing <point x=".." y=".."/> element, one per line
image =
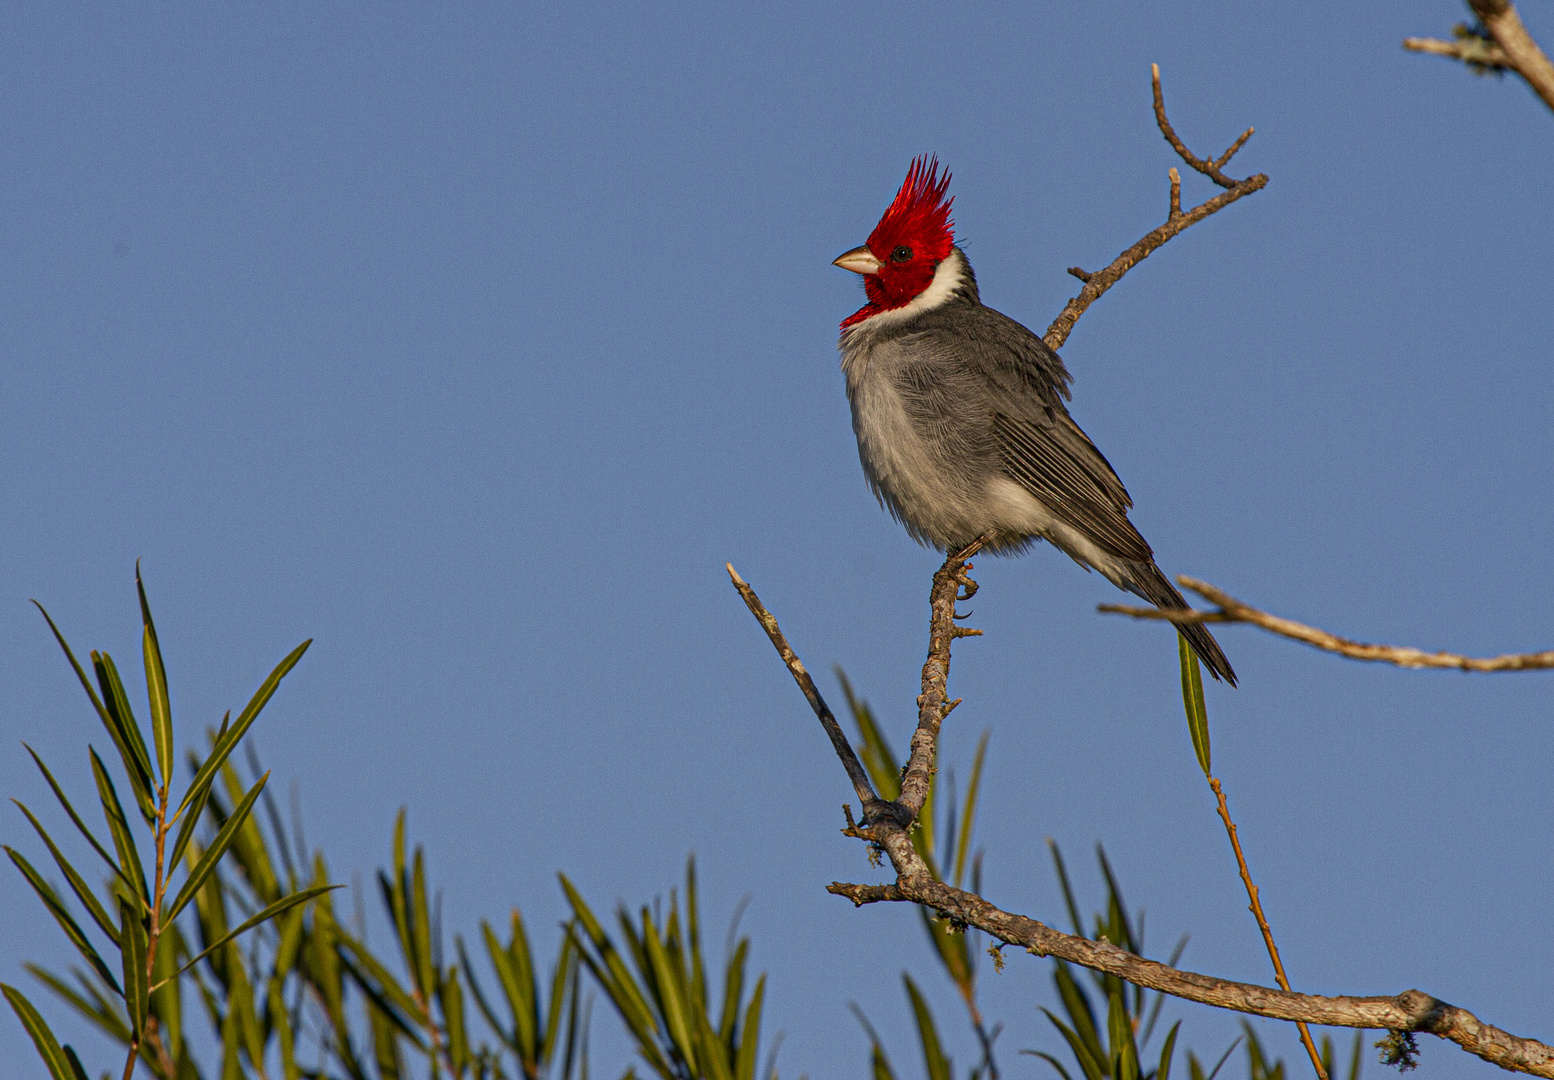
<point x="1232" y="610"/>
<point x="1256" y="907"/>
<point x="1412" y="1010"/>
<point x="1176" y="220"/>
<point x="844" y="750"/>
<point x="1499" y="42"/>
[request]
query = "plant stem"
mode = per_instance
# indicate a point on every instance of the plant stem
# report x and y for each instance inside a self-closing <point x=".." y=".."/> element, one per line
<point x="1262" y="922"/>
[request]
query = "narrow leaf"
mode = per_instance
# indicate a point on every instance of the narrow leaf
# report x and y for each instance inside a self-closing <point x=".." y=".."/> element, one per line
<point x="218" y="847"/>
<point x="67" y="923"/>
<point x="136" y="975"/>
<point x="1163" y="1070"/>
<point x="750" y="1033"/>
<point x="1192" y="701"/>
<point x="74" y="817"/>
<point x="228" y="740"/>
<point x="118" y="826"/>
<point x="969" y="813"/>
<point x="156" y="688"/>
<point x="78" y="884"/>
<point x="109" y="724"/>
<point x="937" y="1065"/>
<point x="126" y="734"/>
<point x="284" y="904"/>
<point x="53" y="1055"/>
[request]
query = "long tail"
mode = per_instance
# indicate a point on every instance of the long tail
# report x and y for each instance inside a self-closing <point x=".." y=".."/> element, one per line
<point x="1155" y="587"/>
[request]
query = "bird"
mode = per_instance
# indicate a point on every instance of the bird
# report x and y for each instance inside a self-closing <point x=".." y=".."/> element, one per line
<point x="960" y="413"/>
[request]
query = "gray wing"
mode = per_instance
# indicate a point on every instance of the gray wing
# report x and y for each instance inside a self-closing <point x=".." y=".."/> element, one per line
<point x="1038" y="444"/>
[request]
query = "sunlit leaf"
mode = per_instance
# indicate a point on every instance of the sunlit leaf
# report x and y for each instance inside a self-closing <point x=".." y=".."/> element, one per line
<point x="59" y="1065"/>
<point x="133" y="950"/>
<point x="56" y="907"/>
<point x="78" y="884"/>
<point x="1192" y="701"/>
<point x="118" y="826"/>
<point x="934" y="1061"/>
<point x="228" y="740"/>
<point x="218" y="847"/>
<point x="156" y="687"/>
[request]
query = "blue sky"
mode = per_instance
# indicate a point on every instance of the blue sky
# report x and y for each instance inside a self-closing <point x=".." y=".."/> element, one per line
<point x="472" y="340"/>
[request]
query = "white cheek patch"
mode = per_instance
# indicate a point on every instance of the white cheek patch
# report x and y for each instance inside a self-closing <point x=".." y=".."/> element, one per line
<point x="949" y="276"/>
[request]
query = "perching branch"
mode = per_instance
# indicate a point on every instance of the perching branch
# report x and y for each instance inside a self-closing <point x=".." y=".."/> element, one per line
<point x="1231" y="610"/>
<point x="888" y="825"/>
<point x="1412" y="1010"/>
<point x="1097" y="283"/>
<point x="1500" y="42"/>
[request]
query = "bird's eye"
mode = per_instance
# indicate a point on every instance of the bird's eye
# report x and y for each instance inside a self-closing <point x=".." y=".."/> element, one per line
<point x="901" y="254"/>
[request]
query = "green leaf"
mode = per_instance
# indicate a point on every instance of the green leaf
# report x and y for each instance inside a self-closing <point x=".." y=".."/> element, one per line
<point x="937" y="1065"/>
<point x="453" y="1016"/>
<point x="280" y="1022"/>
<point x="78" y="884"/>
<point x="563" y="1000"/>
<point x="131" y="764"/>
<point x="218" y="847"/>
<point x="421" y="930"/>
<point x="1077" y="1004"/>
<point x="1192" y="701"/>
<point x="878" y="758"/>
<point x="136" y="975"/>
<point x="166" y="999"/>
<point x="1068" y="888"/>
<point x="1050" y="1060"/>
<point x="733" y="990"/>
<point x="1091" y="1066"/>
<point x="131" y="744"/>
<point x="969" y="814"/>
<point x="67" y="923"/>
<point x="284" y="904"/>
<point x="1163" y="1070"/>
<point x="750" y="1033"/>
<point x="671" y="992"/>
<point x="74" y="817"/>
<point x="53" y="1055"/>
<point x="118" y="826"/>
<point x="228" y="739"/>
<point x="395" y="999"/>
<point x="1120" y="1033"/>
<point x="156" y="687"/>
<point x="99" y="1010"/>
<point x="611" y="972"/>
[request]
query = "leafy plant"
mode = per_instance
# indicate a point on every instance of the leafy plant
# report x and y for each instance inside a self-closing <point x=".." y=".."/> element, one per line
<point x="138" y="1000"/>
<point x="658" y="986"/>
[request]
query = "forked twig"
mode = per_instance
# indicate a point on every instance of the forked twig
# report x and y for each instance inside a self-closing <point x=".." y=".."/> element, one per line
<point x="1231" y="610"/>
<point x="1176" y="220"/>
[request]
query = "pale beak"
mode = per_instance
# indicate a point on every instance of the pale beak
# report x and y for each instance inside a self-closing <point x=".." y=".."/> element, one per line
<point x="860" y="260"/>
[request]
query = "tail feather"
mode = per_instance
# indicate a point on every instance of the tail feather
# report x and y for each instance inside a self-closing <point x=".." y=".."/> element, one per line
<point x="1149" y="583"/>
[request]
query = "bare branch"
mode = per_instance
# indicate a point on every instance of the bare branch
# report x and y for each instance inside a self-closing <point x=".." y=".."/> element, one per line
<point x="844" y="750"/>
<point x="950" y="584"/>
<point x="1097" y="283"/>
<point x="1412" y="1010"/>
<point x="1499" y="43"/>
<point x="1232" y="610"/>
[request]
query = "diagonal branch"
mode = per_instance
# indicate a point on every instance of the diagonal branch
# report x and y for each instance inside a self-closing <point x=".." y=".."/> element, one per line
<point x="1500" y="42"/>
<point x="1232" y="610"/>
<point x="1097" y="283"/>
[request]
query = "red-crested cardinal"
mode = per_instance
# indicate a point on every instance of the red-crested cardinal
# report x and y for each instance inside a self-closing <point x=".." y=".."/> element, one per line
<point x="960" y="419"/>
